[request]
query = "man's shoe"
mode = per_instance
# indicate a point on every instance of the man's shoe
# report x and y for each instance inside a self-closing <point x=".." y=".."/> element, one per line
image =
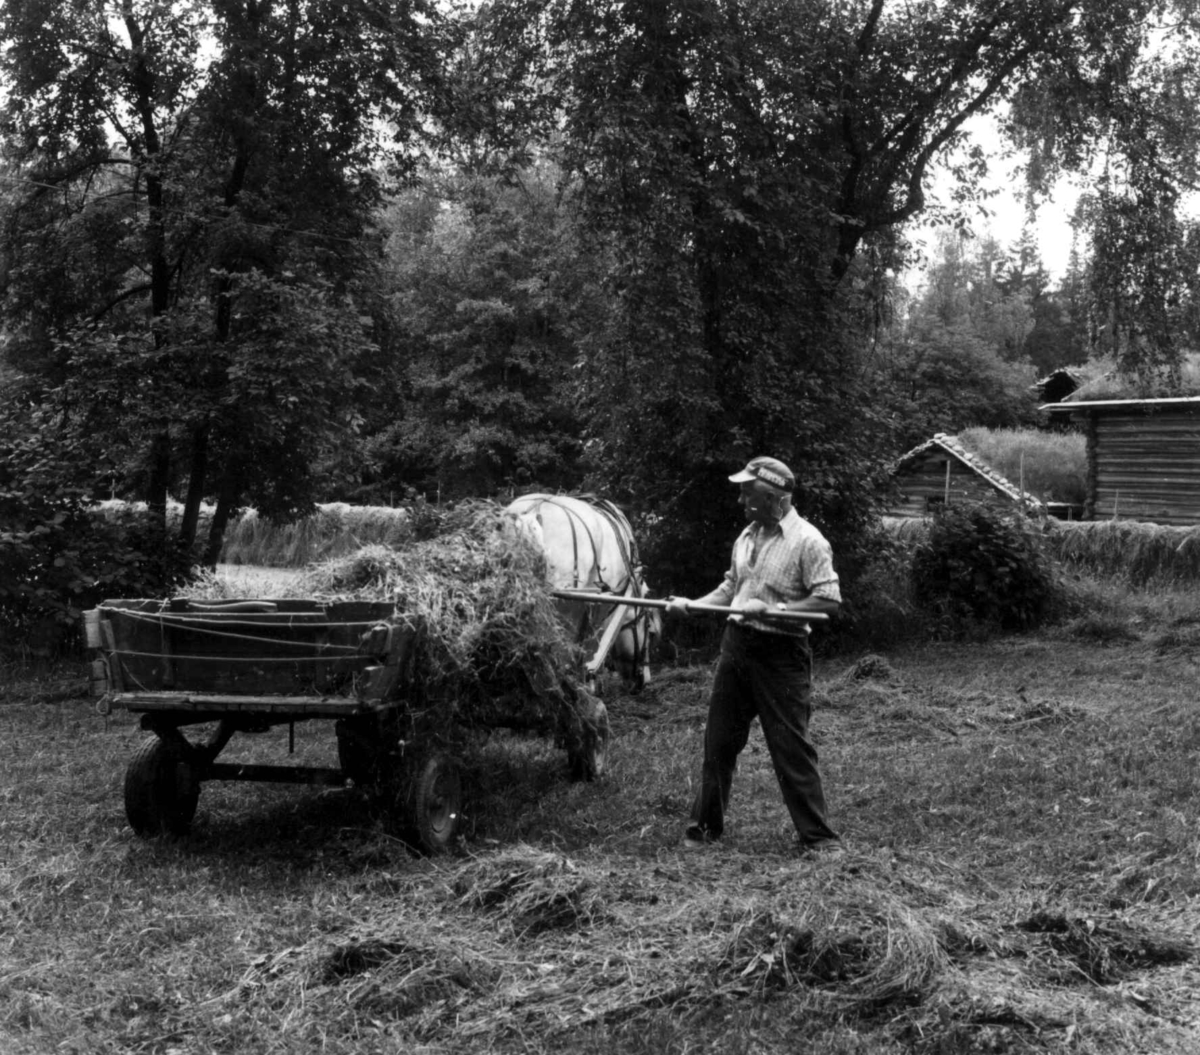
<point x="696" y="838"/>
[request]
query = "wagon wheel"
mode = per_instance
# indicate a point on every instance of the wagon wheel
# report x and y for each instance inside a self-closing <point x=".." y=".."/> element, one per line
<point x="591" y="760"/>
<point x="161" y="789"/>
<point x="437" y="804"/>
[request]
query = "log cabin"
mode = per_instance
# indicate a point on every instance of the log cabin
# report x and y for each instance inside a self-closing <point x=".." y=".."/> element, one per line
<point x="942" y="470"/>
<point x="1143" y="457"/>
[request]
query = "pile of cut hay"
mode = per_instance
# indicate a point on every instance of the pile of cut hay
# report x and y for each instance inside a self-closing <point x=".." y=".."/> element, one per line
<point x="1127" y="551"/>
<point x="530" y="943"/>
<point x="493" y="651"/>
<point x="1137" y="553"/>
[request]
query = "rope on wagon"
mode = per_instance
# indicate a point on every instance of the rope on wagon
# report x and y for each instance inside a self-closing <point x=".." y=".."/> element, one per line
<point x="353" y="649"/>
<point x="240" y="659"/>
<point x="263" y="618"/>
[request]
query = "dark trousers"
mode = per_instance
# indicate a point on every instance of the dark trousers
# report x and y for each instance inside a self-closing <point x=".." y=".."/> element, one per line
<point x="769" y="677"/>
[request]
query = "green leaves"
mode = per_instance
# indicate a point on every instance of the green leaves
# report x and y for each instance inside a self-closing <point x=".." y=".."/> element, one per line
<point x="58" y="553"/>
<point x="986" y="564"/>
<point x="491" y="292"/>
<point x="186" y="265"/>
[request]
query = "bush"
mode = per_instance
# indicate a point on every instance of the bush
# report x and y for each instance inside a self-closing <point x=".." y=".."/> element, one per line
<point x="878" y="610"/>
<point x="58" y="554"/>
<point x="984" y="565"/>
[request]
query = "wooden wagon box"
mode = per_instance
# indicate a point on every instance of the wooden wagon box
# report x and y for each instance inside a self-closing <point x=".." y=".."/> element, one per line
<point x="251" y="664"/>
<point x="252" y="655"/>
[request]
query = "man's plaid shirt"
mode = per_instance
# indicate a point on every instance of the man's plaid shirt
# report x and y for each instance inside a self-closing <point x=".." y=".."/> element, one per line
<point x="787" y="562"/>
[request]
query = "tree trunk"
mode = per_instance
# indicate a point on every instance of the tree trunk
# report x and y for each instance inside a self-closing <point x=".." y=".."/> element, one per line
<point x="159" y="479"/>
<point x="195" y="492"/>
<point x="156" y="502"/>
<point x="227" y="497"/>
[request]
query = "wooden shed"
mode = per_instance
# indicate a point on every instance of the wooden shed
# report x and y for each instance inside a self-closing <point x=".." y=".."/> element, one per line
<point x="1143" y="457"/>
<point x="1058" y="384"/>
<point x="942" y="470"/>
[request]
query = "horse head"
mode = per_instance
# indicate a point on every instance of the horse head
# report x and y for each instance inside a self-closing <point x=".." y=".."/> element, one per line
<point x="527" y="525"/>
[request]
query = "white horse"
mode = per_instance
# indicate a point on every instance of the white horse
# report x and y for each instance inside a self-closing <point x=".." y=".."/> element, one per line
<point x="589" y="545"/>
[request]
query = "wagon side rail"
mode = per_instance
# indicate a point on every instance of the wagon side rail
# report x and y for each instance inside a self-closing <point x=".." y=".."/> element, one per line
<point x="261" y="657"/>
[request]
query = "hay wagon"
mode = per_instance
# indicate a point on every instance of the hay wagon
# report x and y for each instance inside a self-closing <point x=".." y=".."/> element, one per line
<point x="248" y="666"/>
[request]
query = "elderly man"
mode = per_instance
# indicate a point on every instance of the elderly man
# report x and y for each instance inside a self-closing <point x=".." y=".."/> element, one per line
<point x="781" y="563"/>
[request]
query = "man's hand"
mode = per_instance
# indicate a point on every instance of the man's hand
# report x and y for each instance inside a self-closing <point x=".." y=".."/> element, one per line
<point x="678" y="606"/>
<point x="756" y="609"/>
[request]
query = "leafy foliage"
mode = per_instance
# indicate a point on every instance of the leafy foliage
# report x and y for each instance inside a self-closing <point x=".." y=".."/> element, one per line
<point x="57" y="555"/>
<point x="980" y="564"/>
<point x="692" y="133"/>
<point x="659" y="238"/>
<point x="1131" y="118"/>
<point x="489" y="294"/>
<point x="187" y="250"/>
<point x="954" y="357"/>
<point x="750" y="166"/>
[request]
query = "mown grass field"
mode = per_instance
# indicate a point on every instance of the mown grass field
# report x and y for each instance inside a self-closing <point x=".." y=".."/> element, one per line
<point x="1021" y="877"/>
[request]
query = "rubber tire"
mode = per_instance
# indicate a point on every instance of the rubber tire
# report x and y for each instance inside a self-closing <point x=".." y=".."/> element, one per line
<point x="591" y="761"/>
<point x="161" y="789"/>
<point x="437" y="804"/>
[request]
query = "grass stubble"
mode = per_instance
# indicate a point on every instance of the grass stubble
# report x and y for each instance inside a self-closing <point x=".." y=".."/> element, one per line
<point x="1021" y="876"/>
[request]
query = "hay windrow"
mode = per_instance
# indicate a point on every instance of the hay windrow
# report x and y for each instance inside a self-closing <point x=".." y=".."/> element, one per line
<point x="1128" y="551"/>
<point x="883" y="938"/>
<point x="1133" y="552"/>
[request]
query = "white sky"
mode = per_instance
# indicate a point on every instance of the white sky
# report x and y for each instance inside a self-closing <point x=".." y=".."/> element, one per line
<point x="1004" y="218"/>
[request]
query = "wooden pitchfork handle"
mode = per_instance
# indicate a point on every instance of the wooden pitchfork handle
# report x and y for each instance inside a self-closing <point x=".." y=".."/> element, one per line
<point x="590" y="597"/>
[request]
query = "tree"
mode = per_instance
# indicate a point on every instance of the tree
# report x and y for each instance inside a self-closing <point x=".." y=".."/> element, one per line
<point x="752" y="165"/>
<point x="185" y="265"/>
<point x="1121" y="110"/>
<point x="490" y="295"/>
<point x="1144" y="281"/>
<point x="938" y="378"/>
<point x="955" y="358"/>
<point x="1059" y="324"/>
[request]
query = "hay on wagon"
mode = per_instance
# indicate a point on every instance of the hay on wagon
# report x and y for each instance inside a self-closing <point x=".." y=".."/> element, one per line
<point x="492" y="649"/>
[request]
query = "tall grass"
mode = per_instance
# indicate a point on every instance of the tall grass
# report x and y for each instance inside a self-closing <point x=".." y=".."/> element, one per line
<point x="334" y="530"/>
<point x="1050" y="465"/>
<point x="1110" y="569"/>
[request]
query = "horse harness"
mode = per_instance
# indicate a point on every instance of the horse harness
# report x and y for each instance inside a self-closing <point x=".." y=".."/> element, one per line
<point x="637" y="623"/>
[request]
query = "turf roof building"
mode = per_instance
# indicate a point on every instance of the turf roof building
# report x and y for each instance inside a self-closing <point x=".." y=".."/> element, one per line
<point x="1058" y="384"/>
<point x="1143" y="457"/>
<point x="942" y="470"/>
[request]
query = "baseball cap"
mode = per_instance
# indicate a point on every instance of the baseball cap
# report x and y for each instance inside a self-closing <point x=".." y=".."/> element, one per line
<point x="769" y="470"/>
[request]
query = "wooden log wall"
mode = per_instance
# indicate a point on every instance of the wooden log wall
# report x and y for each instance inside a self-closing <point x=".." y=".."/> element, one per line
<point x="922" y="485"/>
<point x="1146" y="466"/>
